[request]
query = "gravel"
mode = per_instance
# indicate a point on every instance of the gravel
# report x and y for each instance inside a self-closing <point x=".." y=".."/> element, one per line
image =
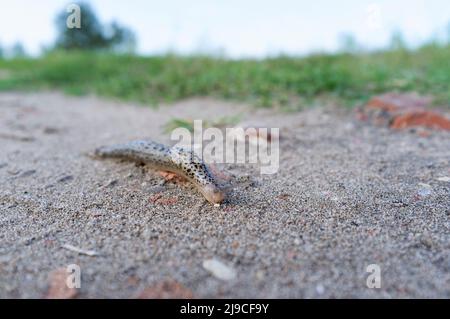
<point x="347" y="195"/>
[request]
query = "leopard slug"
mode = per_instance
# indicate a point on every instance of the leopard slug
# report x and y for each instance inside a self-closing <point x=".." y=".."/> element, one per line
<point x="173" y="159"/>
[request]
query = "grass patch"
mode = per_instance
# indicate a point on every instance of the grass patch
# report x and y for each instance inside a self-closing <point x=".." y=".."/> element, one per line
<point x="188" y="124"/>
<point x="281" y="81"/>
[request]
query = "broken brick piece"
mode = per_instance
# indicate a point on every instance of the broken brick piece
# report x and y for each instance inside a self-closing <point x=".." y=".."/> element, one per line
<point x="159" y="199"/>
<point x="167" y="201"/>
<point x="428" y="119"/>
<point x="399" y="102"/>
<point x="58" y="288"/>
<point x="169" y="289"/>
<point x="403" y="110"/>
<point x="169" y="176"/>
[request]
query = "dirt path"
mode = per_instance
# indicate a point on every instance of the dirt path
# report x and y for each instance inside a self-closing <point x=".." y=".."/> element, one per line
<point x="347" y="195"/>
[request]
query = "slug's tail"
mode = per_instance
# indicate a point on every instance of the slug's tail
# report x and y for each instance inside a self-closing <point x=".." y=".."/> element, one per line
<point x="111" y="151"/>
<point x="141" y="151"/>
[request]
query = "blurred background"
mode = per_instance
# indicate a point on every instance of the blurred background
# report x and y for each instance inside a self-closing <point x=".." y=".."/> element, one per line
<point x="268" y="53"/>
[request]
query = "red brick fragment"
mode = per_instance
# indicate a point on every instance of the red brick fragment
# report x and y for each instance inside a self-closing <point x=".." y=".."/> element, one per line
<point x="58" y="288"/>
<point x="403" y="110"/>
<point x="167" y="201"/>
<point x="159" y="199"/>
<point x="399" y="102"/>
<point x="168" y="289"/>
<point x="428" y="119"/>
<point x="172" y="177"/>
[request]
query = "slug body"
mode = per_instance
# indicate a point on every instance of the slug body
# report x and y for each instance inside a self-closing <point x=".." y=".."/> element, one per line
<point x="173" y="159"/>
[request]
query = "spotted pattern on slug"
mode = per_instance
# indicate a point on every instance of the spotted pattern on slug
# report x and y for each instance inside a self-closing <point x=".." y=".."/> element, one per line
<point x="174" y="159"/>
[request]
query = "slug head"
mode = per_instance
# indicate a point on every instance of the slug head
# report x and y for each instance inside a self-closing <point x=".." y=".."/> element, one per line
<point x="213" y="193"/>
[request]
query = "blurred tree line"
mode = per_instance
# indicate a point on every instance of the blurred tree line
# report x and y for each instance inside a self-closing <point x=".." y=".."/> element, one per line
<point x="92" y="35"/>
<point x="16" y="51"/>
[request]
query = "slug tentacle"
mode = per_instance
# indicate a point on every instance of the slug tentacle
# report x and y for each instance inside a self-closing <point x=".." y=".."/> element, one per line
<point x="173" y="159"/>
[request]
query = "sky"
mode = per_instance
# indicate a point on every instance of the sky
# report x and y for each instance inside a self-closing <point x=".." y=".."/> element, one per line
<point x="238" y="28"/>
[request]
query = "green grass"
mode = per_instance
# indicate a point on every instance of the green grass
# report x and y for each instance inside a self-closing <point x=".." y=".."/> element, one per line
<point x="220" y="122"/>
<point x="283" y="81"/>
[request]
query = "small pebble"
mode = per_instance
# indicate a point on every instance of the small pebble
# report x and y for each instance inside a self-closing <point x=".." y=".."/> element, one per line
<point x="425" y="190"/>
<point x="260" y="275"/>
<point x="28" y="173"/>
<point x="112" y="183"/>
<point x="219" y="269"/>
<point x="65" y="179"/>
<point x="320" y="289"/>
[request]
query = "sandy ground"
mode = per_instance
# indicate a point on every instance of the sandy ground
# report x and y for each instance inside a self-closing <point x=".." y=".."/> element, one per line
<point x="347" y="195"/>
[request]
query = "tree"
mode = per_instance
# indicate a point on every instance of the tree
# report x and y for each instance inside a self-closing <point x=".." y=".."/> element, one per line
<point x="121" y="38"/>
<point x="92" y="34"/>
<point x="348" y="43"/>
<point x="18" y="51"/>
<point x="397" y="41"/>
<point x="448" y="33"/>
